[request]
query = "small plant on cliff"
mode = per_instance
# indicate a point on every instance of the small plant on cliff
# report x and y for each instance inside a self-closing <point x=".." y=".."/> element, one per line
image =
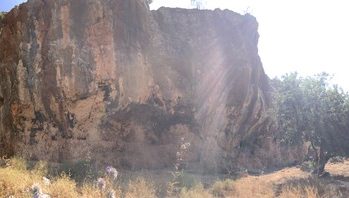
<point x="198" y="4"/>
<point x="2" y="15"/>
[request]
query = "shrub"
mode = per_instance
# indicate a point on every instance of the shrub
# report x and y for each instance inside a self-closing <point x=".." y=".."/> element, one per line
<point x="63" y="187"/>
<point x="90" y="191"/>
<point x="307" y="166"/>
<point x="297" y="192"/>
<point x="140" y="188"/>
<point x="18" y="163"/>
<point x="185" y="180"/>
<point x="223" y="188"/>
<point x="196" y="192"/>
<point x="80" y="170"/>
<point x="309" y="188"/>
<point x="40" y="169"/>
<point x="15" y="182"/>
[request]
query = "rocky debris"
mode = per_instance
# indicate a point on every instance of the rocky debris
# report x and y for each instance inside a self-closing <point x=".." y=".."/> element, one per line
<point x="123" y="84"/>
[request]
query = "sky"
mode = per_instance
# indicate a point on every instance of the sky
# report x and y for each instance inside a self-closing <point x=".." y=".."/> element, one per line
<point x="7" y="5"/>
<point x="306" y="36"/>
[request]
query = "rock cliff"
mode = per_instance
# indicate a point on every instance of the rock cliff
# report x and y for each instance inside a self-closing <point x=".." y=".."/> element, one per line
<point x="117" y="82"/>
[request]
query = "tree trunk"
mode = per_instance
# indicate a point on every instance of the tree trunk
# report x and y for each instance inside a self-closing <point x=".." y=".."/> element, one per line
<point x="321" y="160"/>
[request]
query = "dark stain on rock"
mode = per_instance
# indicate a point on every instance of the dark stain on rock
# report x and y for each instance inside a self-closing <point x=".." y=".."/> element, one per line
<point x="32" y="136"/>
<point x="1" y="101"/>
<point x="153" y="118"/>
<point x="106" y="88"/>
<point x="39" y="118"/>
<point x="37" y="126"/>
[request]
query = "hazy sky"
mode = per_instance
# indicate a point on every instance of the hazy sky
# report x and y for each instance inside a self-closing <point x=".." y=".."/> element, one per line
<point x="307" y="36"/>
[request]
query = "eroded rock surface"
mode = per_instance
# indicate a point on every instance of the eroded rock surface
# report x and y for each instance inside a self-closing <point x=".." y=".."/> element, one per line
<point x="124" y="85"/>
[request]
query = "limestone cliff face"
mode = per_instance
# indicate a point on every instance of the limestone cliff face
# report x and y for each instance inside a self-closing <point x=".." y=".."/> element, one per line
<point x="116" y="82"/>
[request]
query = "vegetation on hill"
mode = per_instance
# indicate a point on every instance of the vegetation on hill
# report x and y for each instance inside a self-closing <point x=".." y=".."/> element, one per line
<point x="310" y="109"/>
<point x="2" y="15"/>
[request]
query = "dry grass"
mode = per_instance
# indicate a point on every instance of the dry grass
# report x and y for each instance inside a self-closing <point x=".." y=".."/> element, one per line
<point x="250" y="187"/>
<point x="40" y="169"/>
<point x="17" y="163"/>
<point x="90" y="191"/>
<point x="140" y="188"/>
<point x="224" y="188"/>
<point x="339" y="168"/>
<point x="16" y="180"/>
<point x="264" y="186"/>
<point x="63" y="187"/>
<point x="311" y="188"/>
<point x="256" y="186"/>
<point x="195" y="192"/>
<point x="296" y="192"/>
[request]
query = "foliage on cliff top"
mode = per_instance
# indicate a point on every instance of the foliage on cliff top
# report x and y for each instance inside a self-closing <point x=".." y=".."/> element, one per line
<point x="2" y="15"/>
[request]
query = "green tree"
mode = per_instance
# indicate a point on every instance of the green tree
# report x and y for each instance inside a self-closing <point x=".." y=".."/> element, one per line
<point x="310" y="109"/>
